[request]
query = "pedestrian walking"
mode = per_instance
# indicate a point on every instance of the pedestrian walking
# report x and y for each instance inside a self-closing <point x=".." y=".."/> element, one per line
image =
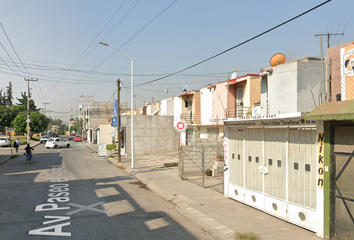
<point x="17" y="145"/>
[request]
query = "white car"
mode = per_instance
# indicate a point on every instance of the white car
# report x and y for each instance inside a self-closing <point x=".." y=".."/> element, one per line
<point x="44" y="139"/>
<point x="5" y="142"/>
<point x="56" y="143"/>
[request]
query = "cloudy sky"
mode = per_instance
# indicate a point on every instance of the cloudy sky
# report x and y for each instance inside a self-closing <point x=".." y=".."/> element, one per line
<point x="57" y="42"/>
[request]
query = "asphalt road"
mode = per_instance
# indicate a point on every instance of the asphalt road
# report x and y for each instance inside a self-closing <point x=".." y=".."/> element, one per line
<point x="71" y="193"/>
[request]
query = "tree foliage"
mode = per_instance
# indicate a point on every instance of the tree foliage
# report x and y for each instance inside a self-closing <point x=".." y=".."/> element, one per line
<point x="20" y="123"/>
<point x="39" y="123"/>
<point x="23" y="101"/>
<point x="9" y="97"/>
<point x="77" y="126"/>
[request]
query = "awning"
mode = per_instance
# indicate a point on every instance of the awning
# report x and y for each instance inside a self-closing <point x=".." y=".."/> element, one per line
<point x="112" y="134"/>
<point x="341" y="110"/>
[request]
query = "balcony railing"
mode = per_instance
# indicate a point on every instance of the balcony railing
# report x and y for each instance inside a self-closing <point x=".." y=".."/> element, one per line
<point x="239" y="112"/>
<point x="191" y="118"/>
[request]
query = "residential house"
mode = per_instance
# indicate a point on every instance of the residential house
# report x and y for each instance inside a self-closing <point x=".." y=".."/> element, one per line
<point x="188" y="110"/>
<point x="291" y="87"/>
<point x="270" y="150"/>
<point x="95" y="113"/>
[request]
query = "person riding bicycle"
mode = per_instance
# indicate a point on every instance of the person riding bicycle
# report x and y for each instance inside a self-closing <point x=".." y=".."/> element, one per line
<point x="28" y="150"/>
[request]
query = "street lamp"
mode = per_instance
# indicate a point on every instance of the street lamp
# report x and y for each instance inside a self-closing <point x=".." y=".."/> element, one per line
<point x="131" y="103"/>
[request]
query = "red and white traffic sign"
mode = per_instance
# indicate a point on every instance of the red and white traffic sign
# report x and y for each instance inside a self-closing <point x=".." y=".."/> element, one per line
<point x="180" y="126"/>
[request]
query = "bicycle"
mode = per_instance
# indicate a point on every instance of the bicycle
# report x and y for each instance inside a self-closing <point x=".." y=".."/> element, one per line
<point x="28" y="158"/>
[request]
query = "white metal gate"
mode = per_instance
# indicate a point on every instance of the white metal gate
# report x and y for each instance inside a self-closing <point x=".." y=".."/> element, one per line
<point x="274" y="170"/>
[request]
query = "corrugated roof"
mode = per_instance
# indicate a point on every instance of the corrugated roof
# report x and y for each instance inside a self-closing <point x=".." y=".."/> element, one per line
<point x="341" y="110"/>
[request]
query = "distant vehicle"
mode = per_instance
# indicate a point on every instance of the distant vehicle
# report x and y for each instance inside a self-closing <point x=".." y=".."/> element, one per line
<point x="72" y="136"/>
<point x="5" y="142"/>
<point x="56" y="143"/>
<point x="77" y="138"/>
<point x="44" y="139"/>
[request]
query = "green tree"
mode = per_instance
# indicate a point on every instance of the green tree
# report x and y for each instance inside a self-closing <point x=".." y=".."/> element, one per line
<point x="23" y="101"/>
<point x="55" y="121"/>
<point x="20" y="123"/>
<point x="77" y="126"/>
<point x="9" y="97"/>
<point x="5" y="117"/>
<point x="2" y="99"/>
<point x="39" y="122"/>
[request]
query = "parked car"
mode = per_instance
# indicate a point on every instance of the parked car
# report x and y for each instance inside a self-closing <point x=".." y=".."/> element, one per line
<point x="5" y="142"/>
<point x="56" y="143"/>
<point x="77" y="138"/>
<point x="72" y="136"/>
<point x="44" y="139"/>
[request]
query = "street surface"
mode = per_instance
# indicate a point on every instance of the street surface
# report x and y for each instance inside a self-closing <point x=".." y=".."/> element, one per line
<point x="71" y="193"/>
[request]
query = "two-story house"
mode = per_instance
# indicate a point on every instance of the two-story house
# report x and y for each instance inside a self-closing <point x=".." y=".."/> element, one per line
<point x="271" y="151"/>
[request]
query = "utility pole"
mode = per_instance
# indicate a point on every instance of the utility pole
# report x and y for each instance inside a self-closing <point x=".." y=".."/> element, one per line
<point x="326" y="91"/>
<point x="28" y="108"/>
<point x="328" y="36"/>
<point x="45" y="112"/>
<point x="118" y="120"/>
<point x="45" y="108"/>
<point x="228" y="94"/>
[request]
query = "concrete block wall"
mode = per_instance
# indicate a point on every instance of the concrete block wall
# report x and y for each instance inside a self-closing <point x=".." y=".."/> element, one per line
<point x="153" y="134"/>
<point x="190" y="168"/>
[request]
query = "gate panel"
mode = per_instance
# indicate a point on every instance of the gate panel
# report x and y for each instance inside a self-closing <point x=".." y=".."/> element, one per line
<point x="253" y="156"/>
<point x="343" y="183"/>
<point x="236" y="157"/>
<point x="302" y="167"/>
<point x="275" y="160"/>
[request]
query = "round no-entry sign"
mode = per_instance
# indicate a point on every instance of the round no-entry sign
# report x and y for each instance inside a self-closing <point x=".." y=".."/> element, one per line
<point x="180" y="126"/>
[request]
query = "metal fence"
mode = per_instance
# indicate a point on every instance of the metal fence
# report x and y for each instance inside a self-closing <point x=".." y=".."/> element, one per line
<point x="196" y="161"/>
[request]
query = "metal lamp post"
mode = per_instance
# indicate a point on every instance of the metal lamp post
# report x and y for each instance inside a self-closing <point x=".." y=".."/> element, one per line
<point x="131" y="102"/>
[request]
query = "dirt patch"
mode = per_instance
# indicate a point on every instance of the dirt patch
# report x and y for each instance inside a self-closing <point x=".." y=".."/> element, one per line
<point x="139" y="184"/>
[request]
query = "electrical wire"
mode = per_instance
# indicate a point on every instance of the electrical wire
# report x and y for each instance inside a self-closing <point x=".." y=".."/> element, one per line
<point x="74" y="65"/>
<point x="238" y="45"/>
<point x="148" y="24"/>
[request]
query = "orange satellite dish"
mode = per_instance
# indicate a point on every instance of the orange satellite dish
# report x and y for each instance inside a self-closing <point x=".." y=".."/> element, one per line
<point x="277" y="59"/>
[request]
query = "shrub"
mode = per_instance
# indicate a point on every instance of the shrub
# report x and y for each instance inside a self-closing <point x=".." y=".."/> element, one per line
<point x="111" y="146"/>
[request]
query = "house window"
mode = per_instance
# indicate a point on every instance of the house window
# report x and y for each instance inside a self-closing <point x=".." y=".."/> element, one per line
<point x="190" y="112"/>
<point x="239" y="102"/>
<point x="189" y="136"/>
<point x="213" y="133"/>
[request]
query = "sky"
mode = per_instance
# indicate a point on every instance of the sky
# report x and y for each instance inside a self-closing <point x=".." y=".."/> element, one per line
<point x="57" y="42"/>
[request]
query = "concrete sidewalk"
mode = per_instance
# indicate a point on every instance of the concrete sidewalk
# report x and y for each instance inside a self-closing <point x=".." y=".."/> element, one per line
<point x="221" y="217"/>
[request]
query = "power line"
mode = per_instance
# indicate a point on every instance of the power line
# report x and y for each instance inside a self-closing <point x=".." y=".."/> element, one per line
<point x="238" y="45"/>
<point x="8" y="39"/>
<point x="73" y="66"/>
<point x="147" y="24"/>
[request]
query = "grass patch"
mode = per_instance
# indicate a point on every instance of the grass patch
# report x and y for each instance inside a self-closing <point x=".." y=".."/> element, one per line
<point x="110" y="156"/>
<point x="247" y="236"/>
<point x="121" y="167"/>
<point x="13" y="156"/>
<point x="111" y="146"/>
<point x="166" y="167"/>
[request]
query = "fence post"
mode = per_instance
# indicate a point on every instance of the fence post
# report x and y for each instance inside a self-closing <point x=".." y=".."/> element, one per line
<point x="203" y="164"/>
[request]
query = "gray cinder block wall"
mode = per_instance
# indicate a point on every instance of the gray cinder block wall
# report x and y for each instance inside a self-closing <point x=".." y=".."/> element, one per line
<point x="190" y="162"/>
<point x="152" y="134"/>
